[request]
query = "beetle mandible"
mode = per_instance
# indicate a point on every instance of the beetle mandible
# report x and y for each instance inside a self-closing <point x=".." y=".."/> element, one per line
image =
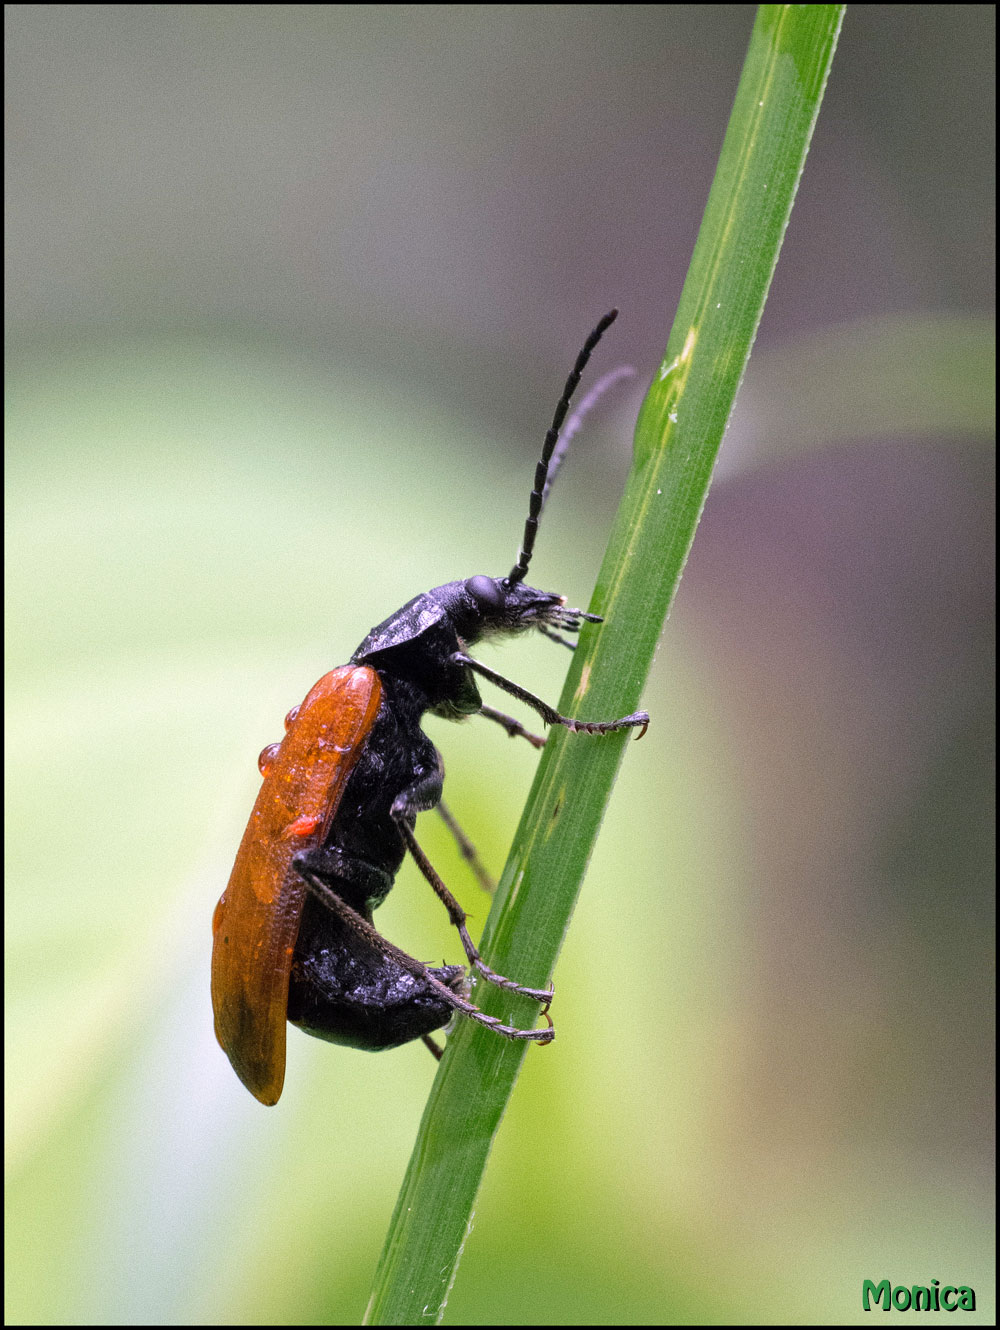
<point x="293" y="933"/>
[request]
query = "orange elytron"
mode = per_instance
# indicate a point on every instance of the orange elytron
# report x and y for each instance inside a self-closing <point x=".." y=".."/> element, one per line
<point x="256" y="921"/>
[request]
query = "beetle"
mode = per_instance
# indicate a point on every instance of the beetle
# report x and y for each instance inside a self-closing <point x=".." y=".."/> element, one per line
<point x="293" y="937"/>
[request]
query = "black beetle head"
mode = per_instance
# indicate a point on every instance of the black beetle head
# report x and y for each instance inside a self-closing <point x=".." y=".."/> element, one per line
<point x="437" y="621"/>
<point x="488" y="606"/>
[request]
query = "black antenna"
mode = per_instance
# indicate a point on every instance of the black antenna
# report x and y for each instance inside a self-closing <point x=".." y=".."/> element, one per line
<point x="517" y="573"/>
<point x="572" y="427"/>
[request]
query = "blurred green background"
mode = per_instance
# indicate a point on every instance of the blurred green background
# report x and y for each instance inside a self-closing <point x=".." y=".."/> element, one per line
<point x="291" y="293"/>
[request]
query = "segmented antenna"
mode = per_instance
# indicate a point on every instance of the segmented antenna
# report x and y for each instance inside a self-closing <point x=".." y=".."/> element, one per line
<point x="537" y="498"/>
<point x="572" y="427"/>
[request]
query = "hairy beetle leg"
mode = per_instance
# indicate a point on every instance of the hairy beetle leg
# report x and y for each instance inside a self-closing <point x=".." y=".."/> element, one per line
<point x="556" y="637"/>
<point x="467" y="850"/>
<point x="409" y="963"/>
<point x="434" y="1046"/>
<point x="458" y="917"/>
<point x="513" y="727"/>
<point x="333" y="862"/>
<point x="606" y="726"/>
<point x="547" y="713"/>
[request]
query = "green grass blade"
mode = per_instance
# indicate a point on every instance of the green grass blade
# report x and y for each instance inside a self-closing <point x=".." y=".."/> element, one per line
<point x="677" y="438"/>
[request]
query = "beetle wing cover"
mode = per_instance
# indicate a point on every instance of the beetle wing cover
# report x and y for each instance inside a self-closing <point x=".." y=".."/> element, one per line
<point x="256" y="921"/>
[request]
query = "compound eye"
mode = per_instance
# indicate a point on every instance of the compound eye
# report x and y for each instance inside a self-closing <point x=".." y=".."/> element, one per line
<point x="485" y="592"/>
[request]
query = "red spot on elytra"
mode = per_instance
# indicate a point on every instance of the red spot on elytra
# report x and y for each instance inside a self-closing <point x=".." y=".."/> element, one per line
<point x="302" y="826"/>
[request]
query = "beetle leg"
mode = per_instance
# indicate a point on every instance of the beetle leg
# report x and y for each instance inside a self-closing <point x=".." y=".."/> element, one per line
<point x="434" y="1046"/>
<point x="458" y="917"/>
<point x="547" y="713"/>
<point x="513" y="727"/>
<point x="331" y="862"/>
<point x="467" y="850"/>
<point x="556" y="637"/>
<point x="339" y="907"/>
<point x="424" y="794"/>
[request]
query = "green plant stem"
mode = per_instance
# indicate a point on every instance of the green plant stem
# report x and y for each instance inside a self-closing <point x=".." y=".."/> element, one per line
<point x="678" y="434"/>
